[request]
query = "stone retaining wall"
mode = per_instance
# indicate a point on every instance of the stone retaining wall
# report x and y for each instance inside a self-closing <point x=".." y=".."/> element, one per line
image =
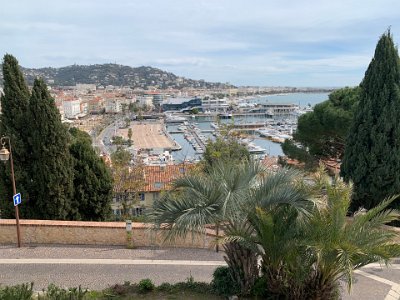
<point x="95" y="233"/>
<point x="101" y="233"/>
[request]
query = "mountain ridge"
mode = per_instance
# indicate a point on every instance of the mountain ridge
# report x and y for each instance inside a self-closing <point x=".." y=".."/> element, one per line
<point x="116" y="75"/>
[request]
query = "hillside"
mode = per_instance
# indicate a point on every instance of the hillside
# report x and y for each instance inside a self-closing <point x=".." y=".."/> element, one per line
<point x="113" y="74"/>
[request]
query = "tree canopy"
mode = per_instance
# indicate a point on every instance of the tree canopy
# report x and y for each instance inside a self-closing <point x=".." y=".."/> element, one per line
<point x="128" y="179"/>
<point x="225" y="148"/>
<point x="93" y="182"/>
<point x="51" y="166"/>
<point x="53" y="183"/>
<point x="322" y="132"/>
<point x="14" y="104"/>
<point x="372" y="155"/>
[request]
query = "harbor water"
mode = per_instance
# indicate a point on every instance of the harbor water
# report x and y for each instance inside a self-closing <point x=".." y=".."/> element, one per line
<point x="204" y="124"/>
<point x="301" y="99"/>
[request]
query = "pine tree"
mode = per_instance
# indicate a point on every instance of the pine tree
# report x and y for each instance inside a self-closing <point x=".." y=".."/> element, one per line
<point x="372" y="155"/>
<point x="92" y="180"/>
<point x="51" y="166"/>
<point x="14" y="105"/>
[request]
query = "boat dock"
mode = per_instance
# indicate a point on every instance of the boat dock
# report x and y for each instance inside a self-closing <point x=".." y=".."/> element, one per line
<point x="249" y="125"/>
<point x="197" y="138"/>
<point x="181" y="131"/>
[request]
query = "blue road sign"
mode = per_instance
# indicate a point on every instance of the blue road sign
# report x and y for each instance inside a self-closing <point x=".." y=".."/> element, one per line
<point x="17" y="199"/>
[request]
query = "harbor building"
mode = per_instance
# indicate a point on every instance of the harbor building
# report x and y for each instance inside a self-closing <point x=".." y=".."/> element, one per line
<point x="276" y="110"/>
<point x="214" y="105"/>
<point x="179" y="104"/>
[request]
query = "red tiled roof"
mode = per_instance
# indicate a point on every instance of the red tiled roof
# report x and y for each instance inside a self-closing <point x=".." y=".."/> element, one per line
<point x="270" y="162"/>
<point x="158" y="178"/>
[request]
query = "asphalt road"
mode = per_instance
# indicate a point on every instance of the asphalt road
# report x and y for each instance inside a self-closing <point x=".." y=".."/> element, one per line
<point x="99" y="267"/>
<point x="107" y="134"/>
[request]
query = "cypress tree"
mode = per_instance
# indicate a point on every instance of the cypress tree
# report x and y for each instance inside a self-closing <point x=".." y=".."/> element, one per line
<point x="92" y="180"/>
<point x="14" y="106"/>
<point x="52" y="174"/>
<point x="372" y="155"/>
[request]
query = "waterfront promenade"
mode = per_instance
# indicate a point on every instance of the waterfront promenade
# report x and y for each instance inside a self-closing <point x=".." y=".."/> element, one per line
<point x="97" y="267"/>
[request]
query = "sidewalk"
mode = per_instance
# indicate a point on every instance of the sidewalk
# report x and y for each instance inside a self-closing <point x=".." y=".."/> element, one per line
<point x="111" y="252"/>
<point x="97" y="267"/>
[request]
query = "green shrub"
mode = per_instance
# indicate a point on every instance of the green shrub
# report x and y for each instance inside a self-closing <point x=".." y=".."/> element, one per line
<point x="223" y="283"/>
<point x="145" y="285"/>
<point x="193" y="286"/>
<point x="165" y="287"/>
<point x="21" y="292"/>
<point x="119" y="289"/>
<point x="54" y="292"/>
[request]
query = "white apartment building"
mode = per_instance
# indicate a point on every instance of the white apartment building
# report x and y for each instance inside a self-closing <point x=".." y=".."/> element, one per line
<point x="72" y="108"/>
<point x="145" y="100"/>
<point x="113" y="106"/>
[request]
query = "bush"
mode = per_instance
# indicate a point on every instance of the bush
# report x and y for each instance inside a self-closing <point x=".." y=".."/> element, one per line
<point x="223" y="283"/>
<point x="20" y="292"/>
<point x="194" y="286"/>
<point x="145" y="285"/>
<point x="56" y="293"/>
<point x="120" y="289"/>
<point x="165" y="287"/>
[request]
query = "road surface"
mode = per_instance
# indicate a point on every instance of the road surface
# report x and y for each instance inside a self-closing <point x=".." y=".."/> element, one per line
<point x="99" y="267"/>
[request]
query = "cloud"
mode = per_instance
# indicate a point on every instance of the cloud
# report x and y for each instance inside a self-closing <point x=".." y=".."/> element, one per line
<point x="194" y="61"/>
<point x="286" y="42"/>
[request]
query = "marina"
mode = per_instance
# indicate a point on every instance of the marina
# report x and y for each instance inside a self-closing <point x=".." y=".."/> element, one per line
<point x="178" y="137"/>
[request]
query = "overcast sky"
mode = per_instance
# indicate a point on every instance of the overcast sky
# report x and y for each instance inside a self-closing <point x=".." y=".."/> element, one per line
<point x="244" y="42"/>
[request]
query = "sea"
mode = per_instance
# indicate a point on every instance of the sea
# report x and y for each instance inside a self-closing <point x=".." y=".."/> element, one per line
<point x="271" y="148"/>
<point x="301" y="99"/>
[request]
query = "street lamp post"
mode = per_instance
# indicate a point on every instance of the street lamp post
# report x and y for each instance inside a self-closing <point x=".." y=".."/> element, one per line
<point x="4" y="156"/>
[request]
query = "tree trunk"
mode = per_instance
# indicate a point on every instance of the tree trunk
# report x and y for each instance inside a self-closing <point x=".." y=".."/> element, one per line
<point x="243" y="264"/>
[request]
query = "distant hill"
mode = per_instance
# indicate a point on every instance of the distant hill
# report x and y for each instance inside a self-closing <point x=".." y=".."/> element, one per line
<point x="113" y="74"/>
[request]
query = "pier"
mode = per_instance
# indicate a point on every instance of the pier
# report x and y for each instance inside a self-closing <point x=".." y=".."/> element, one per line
<point x="181" y="131"/>
<point x="197" y="138"/>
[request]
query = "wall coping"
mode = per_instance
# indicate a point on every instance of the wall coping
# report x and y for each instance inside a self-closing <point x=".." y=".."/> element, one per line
<point x="84" y="224"/>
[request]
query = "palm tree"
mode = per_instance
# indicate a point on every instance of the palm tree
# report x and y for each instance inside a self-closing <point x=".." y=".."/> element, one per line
<point x="224" y="196"/>
<point x="339" y="245"/>
<point x="305" y="255"/>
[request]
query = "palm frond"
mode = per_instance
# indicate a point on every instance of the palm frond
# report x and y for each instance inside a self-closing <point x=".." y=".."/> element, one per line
<point x="361" y="218"/>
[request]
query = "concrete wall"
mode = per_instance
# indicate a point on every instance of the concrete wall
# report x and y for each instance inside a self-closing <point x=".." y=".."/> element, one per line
<point x="95" y="233"/>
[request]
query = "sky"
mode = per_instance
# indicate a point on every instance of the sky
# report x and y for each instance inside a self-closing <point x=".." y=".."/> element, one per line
<point x="300" y="43"/>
